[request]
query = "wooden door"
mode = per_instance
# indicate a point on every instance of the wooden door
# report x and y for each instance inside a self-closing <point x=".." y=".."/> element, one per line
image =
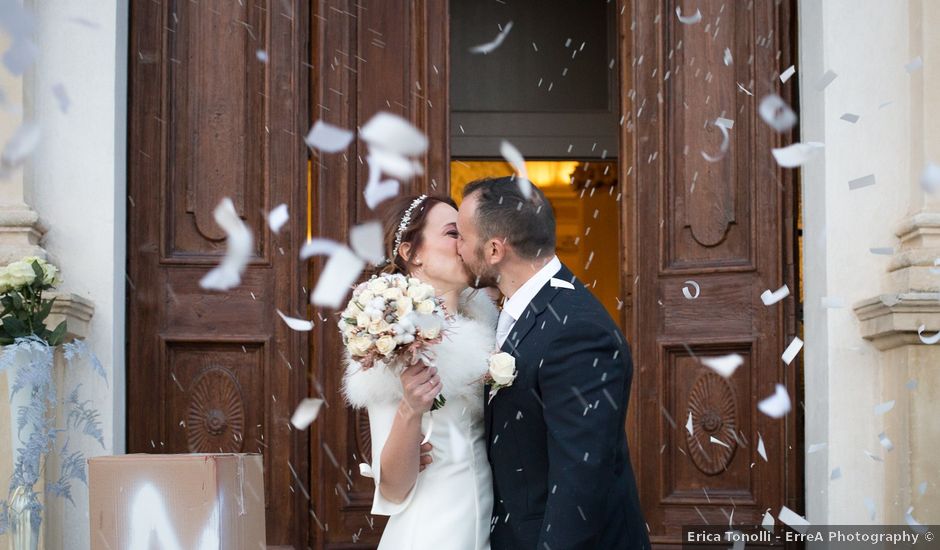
<point x="727" y="225"/>
<point x="218" y="109"/>
<point x="368" y="56"/>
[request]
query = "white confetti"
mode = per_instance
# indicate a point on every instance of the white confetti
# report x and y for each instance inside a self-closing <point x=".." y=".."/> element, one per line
<point x="21" y="145"/>
<point x="777" y="404"/>
<point x="495" y="43"/>
<point x="688" y="19"/>
<point x="761" y="449"/>
<point x="882" y="250"/>
<point x="913" y="523"/>
<point x="365" y="470"/>
<point x="768" y="521"/>
<point x="61" y="97"/>
<point x="785" y="75"/>
<point x="262" y="56"/>
<point x="689" y="426"/>
<point x="394" y="164"/>
<point x="850" y="117"/>
<point x="228" y="274"/>
<point x="882" y="408"/>
<point x="825" y="80"/>
<point x="367" y="242"/>
<point x="717" y="441"/>
<point x="916" y="64"/>
<point x="795" y="155"/>
<point x="724" y="122"/>
<point x="278" y="217"/>
<point x="318" y="246"/>
<point x="815" y="447"/>
<point x="795" y="346"/>
<point x="724" y="365"/>
<point x="517" y="161"/>
<point x="377" y="192"/>
<point x="301" y="325"/>
<point x="392" y="133"/>
<point x="776" y="113"/>
<point x="885" y="441"/>
<point x="873" y="456"/>
<point x="864" y="181"/>
<point x="328" y="138"/>
<point x="20" y="56"/>
<point x="728" y="58"/>
<point x="911" y="384"/>
<point x="836" y="473"/>
<point x="794" y="520"/>
<point x="870" y="504"/>
<point x="743" y="89"/>
<point x="929" y="340"/>
<point x="725" y="144"/>
<point x="306" y="413"/>
<point x="922" y="487"/>
<point x="688" y="295"/>
<point x="832" y="302"/>
<point x="930" y="178"/>
<point x="342" y="269"/>
<point x="770" y="298"/>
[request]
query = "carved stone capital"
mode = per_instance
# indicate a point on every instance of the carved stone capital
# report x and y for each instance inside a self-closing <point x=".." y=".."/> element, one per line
<point x="891" y="320"/>
<point x="73" y="309"/>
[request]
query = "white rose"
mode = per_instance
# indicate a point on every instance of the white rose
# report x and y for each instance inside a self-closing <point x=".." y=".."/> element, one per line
<point x="352" y="310"/>
<point x="414" y="281"/>
<point x="426" y="307"/>
<point x="378" y="285"/>
<point x="503" y="368"/>
<point x="359" y="345"/>
<point x="404" y="307"/>
<point x="392" y="294"/>
<point x="20" y="274"/>
<point x="365" y="297"/>
<point x="420" y="292"/>
<point x="349" y="330"/>
<point x="363" y="320"/>
<point x="379" y="326"/>
<point x="385" y="345"/>
<point x="430" y="333"/>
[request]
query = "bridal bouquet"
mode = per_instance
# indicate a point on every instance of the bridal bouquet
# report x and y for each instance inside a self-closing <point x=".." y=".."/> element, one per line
<point x="393" y="319"/>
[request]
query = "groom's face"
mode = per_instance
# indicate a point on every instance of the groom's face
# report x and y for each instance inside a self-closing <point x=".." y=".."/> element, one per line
<point x="471" y="248"/>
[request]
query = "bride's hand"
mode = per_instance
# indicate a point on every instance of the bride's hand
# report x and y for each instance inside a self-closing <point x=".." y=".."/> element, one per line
<point x="420" y="384"/>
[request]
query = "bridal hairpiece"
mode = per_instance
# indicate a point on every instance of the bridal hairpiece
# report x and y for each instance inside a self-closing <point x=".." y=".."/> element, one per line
<point x="405" y="222"/>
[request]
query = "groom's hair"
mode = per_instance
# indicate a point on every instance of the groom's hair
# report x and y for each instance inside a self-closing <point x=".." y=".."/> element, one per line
<point x="503" y="212"/>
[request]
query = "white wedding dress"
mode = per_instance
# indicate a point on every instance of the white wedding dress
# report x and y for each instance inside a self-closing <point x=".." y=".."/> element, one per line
<point x="451" y="503"/>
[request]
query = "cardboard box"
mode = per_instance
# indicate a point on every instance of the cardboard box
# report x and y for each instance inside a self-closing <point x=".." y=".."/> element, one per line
<point x="177" y="502"/>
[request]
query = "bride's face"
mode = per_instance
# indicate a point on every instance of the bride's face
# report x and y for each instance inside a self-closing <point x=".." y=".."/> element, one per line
<point x="440" y="265"/>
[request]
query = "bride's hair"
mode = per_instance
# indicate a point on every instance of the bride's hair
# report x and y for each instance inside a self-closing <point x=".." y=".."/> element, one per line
<point x="391" y="213"/>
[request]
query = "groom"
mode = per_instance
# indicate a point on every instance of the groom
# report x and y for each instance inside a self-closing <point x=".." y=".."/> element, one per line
<point x="562" y="478"/>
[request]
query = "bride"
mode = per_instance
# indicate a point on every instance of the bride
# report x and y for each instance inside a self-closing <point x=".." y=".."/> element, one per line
<point x="449" y="504"/>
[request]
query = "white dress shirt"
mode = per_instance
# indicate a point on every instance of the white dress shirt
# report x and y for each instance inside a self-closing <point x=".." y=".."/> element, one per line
<point x="515" y="305"/>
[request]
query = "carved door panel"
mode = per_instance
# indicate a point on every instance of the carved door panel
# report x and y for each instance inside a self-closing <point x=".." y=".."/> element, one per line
<point x="367" y="56"/>
<point x="211" y="117"/>
<point x="730" y="227"/>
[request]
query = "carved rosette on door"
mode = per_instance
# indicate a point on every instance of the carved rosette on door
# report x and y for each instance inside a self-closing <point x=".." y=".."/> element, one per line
<point x="714" y="416"/>
<point x="215" y="421"/>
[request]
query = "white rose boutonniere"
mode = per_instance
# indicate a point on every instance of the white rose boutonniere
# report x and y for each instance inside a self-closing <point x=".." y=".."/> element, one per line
<point x="502" y="372"/>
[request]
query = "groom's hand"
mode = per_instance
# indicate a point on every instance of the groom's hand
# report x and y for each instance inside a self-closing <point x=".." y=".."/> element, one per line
<point x="425" y="455"/>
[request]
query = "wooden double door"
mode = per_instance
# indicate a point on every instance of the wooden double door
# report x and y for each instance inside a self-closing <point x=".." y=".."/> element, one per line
<point x="221" y="95"/>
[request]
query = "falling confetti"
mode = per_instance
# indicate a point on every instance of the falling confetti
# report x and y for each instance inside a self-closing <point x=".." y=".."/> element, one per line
<point x="228" y="273"/>
<point x="864" y="181"/>
<point x="850" y="118"/>
<point x="915" y="65"/>
<point x="777" y="404"/>
<point x="367" y="242"/>
<point x="825" y="80"/>
<point x="262" y="56"/>
<point x="929" y="340"/>
<point x="689" y="426"/>
<point x="724" y="365"/>
<point x="318" y="246"/>
<point x="776" y="113"/>
<point x="770" y="298"/>
<point x="930" y="178"/>
<point x="815" y="448"/>
<point x="340" y="272"/>
<point x="495" y="43"/>
<point x="61" y="97"/>
<point x="688" y="295"/>
<point x="885" y="442"/>
<point x="882" y="250"/>
<point x="21" y="145"/>
<point x="792" y="519"/>
<point x="328" y="138"/>
<point x="688" y="19"/>
<point x="761" y="449"/>
<point x="306" y="413"/>
<point x="725" y="144"/>
<point x="278" y="217"/>
<point x="882" y="408"/>
<point x="724" y="123"/>
<point x="392" y="133"/>
<point x="768" y="521"/>
<point x="785" y="75"/>
<point x="516" y="160"/>
<point x="870" y="504"/>
<point x="728" y="57"/>
<point x="795" y="346"/>
<point x="795" y="155"/>
<point x="836" y="473"/>
<point x="913" y="523"/>
<point x="301" y="325"/>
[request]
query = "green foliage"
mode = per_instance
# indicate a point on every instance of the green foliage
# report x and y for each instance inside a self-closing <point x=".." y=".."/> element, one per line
<point x="23" y="311"/>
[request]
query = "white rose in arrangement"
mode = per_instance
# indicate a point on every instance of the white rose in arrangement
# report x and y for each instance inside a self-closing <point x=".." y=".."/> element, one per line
<point x="392" y="294"/>
<point x="364" y="298"/>
<point x="19" y="274"/>
<point x="421" y="292"/>
<point x="426" y="307"/>
<point x="414" y="281"/>
<point x="385" y="344"/>
<point x="378" y="285"/>
<point x="359" y="345"/>
<point x="379" y="304"/>
<point x="363" y="320"/>
<point x="352" y="310"/>
<point x="379" y="326"/>
<point x="404" y="307"/>
<point x="503" y="369"/>
<point x="430" y="332"/>
<point x="349" y="330"/>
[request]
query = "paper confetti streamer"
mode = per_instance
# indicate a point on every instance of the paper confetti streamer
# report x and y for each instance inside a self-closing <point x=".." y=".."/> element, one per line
<point x="717" y="441"/>
<point x="228" y="274"/>
<point x="776" y="113"/>
<point x="836" y="473"/>
<point x="797" y="154"/>
<point x="495" y="43"/>
<point x="726" y="123"/>
<point x="777" y="404"/>
<point x="367" y="242"/>
<point x="882" y="250"/>
<point x="516" y="160"/>
<point x="795" y="346"/>
<point x="724" y="365"/>
<point x="328" y="138"/>
<point x="792" y="519"/>
<point x="873" y="456"/>
<point x="725" y="144"/>
<point x="300" y="325"/>
<point x="21" y="145"/>
<point x="394" y="164"/>
<point x="884" y="407"/>
<point x="378" y="190"/>
<point x="340" y="272"/>
<point x="768" y="521"/>
<point x="785" y="75"/>
<point x="770" y="298"/>
<point x="689" y="426"/>
<point x="688" y="19"/>
<point x="728" y="57"/>
<point x="390" y="132"/>
<point x="318" y="246"/>
<point x="306" y="413"/>
<point x="849" y="117"/>
<point x="885" y="441"/>
<point x="825" y="80"/>
<point x="864" y="181"/>
<point x="761" y="449"/>
<point x="688" y="295"/>
<point x="278" y="217"/>
<point x="929" y="340"/>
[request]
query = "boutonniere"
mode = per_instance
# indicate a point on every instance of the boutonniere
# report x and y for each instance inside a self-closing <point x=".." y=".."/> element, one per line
<point x="501" y="374"/>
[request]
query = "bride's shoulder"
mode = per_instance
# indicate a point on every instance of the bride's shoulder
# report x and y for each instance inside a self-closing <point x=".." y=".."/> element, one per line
<point x="479" y="306"/>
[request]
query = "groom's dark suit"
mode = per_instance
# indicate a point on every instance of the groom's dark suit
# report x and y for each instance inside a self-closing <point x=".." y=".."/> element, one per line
<point x="561" y="470"/>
